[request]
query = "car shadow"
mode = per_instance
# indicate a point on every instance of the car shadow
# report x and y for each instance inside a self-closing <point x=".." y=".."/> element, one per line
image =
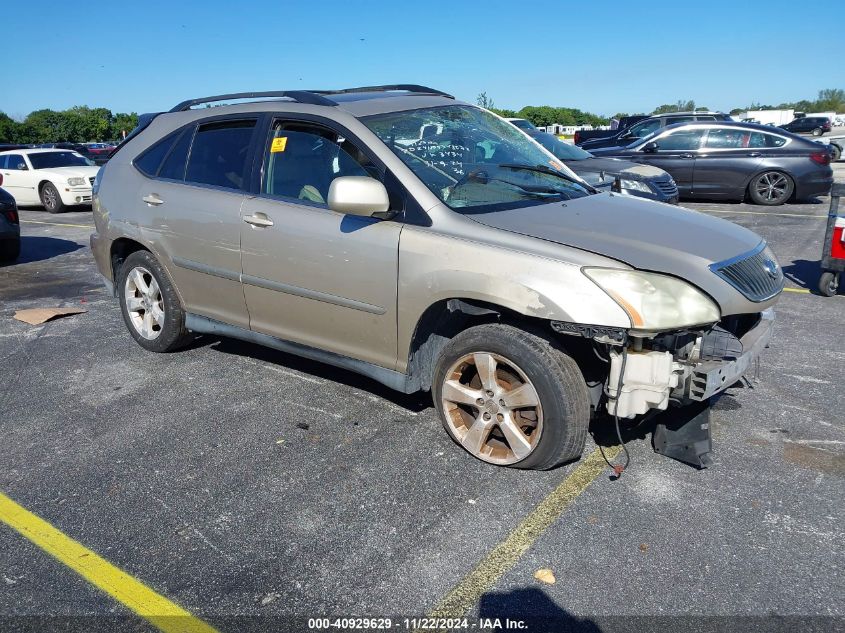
<point x="38" y="248"/>
<point x="414" y="402"/>
<point x="537" y="612"/>
<point x="805" y="273"/>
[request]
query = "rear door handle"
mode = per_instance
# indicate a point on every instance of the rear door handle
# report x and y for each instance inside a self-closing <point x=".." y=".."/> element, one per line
<point x="259" y="219"/>
<point x="755" y="154"/>
<point x="687" y="155"/>
<point x="153" y="200"/>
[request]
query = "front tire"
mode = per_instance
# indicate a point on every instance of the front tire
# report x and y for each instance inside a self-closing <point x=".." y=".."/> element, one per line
<point x="150" y="305"/>
<point x="829" y="283"/>
<point x="771" y="188"/>
<point x="51" y="199"/>
<point x="510" y="398"/>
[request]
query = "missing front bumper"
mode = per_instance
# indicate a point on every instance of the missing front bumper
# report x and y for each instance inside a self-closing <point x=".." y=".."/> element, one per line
<point x="714" y="376"/>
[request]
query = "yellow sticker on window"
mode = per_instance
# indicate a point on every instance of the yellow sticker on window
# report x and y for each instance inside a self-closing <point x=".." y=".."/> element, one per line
<point x="279" y="144"/>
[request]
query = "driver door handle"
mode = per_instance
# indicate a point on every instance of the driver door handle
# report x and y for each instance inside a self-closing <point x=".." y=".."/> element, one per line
<point x="153" y="200"/>
<point x="259" y="220"/>
<point x="755" y="154"/>
<point x="687" y="155"/>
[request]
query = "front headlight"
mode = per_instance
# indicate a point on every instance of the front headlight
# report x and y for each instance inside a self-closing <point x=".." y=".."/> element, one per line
<point x="655" y="302"/>
<point x="76" y="182"/>
<point x="634" y="185"/>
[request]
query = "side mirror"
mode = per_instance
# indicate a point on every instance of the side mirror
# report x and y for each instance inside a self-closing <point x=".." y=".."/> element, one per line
<point x="650" y="147"/>
<point x="22" y="166"/>
<point x="358" y="195"/>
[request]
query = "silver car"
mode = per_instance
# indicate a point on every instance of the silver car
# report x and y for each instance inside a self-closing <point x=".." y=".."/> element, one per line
<point x="429" y="244"/>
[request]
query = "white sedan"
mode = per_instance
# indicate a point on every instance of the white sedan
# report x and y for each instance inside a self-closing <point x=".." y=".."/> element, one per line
<point x="55" y="178"/>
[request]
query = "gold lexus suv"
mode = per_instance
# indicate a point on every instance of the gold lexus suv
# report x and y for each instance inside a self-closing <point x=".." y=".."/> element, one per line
<point x="430" y="245"/>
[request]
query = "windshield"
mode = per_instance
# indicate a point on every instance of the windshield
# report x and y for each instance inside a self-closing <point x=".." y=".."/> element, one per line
<point x="472" y="160"/>
<point x="48" y="160"/>
<point x="561" y="150"/>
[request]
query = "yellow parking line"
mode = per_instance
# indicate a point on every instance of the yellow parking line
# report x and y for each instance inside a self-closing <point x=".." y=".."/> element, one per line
<point x="783" y="215"/>
<point x="76" y="226"/>
<point x="803" y="291"/>
<point x="159" y="611"/>
<point x="501" y="558"/>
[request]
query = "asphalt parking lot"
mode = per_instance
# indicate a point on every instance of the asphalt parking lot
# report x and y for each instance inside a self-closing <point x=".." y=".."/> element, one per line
<point x="254" y="489"/>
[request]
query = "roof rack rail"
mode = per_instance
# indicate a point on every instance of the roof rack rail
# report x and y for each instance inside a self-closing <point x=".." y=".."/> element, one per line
<point x="300" y="96"/>
<point x="407" y="87"/>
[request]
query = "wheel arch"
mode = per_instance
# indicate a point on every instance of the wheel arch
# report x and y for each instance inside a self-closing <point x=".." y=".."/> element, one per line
<point x="446" y="318"/>
<point x="120" y="249"/>
<point x="759" y="172"/>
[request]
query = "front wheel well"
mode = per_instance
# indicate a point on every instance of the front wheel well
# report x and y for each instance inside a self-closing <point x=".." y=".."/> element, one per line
<point x="443" y="320"/>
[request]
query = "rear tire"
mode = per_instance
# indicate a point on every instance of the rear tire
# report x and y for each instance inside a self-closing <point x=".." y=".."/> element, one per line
<point x="51" y="199"/>
<point x="771" y="188"/>
<point x="836" y="152"/>
<point x="511" y="398"/>
<point x="829" y="283"/>
<point x="817" y="131"/>
<point x="150" y="305"/>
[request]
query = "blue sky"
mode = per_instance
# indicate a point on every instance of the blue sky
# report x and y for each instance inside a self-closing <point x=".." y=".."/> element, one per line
<point x="627" y="56"/>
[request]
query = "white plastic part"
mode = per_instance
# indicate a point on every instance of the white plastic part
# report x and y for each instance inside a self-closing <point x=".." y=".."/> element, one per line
<point x="648" y="381"/>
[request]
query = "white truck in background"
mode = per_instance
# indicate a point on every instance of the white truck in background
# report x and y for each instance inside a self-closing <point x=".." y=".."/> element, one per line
<point x="766" y="117"/>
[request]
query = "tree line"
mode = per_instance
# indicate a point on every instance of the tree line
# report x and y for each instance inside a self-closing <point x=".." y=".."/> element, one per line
<point x="829" y="100"/>
<point x="79" y="124"/>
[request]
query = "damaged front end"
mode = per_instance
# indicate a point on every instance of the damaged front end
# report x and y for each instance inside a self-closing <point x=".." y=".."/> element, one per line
<point x="683" y="369"/>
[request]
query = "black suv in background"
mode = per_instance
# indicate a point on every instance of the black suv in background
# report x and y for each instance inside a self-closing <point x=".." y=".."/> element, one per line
<point x="626" y="136"/>
<point x="815" y="125"/>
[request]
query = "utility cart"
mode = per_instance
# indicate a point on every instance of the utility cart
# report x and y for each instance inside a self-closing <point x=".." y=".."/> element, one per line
<point x="833" y="250"/>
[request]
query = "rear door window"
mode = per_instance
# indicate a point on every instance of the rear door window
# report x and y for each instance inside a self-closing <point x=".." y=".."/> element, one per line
<point x="219" y="154"/>
<point x="728" y="138"/>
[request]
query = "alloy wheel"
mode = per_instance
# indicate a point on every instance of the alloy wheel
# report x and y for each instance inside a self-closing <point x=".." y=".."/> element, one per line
<point x="772" y="186"/>
<point x="492" y="408"/>
<point x="50" y="197"/>
<point x="144" y="303"/>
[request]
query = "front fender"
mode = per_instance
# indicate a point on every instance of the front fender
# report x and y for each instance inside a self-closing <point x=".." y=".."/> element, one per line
<point x="434" y="267"/>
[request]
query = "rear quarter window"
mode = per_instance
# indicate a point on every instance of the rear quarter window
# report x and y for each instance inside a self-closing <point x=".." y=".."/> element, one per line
<point x="149" y="161"/>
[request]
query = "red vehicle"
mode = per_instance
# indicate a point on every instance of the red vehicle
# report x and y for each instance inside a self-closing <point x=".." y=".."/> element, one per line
<point x="833" y="250"/>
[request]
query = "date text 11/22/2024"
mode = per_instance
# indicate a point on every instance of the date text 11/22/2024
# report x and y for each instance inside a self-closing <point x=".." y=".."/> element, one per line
<point x="415" y="624"/>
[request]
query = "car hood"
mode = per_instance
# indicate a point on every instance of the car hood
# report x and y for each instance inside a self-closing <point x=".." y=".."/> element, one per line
<point x="83" y="171"/>
<point x="598" y="171"/>
<point x="644" y="234"/>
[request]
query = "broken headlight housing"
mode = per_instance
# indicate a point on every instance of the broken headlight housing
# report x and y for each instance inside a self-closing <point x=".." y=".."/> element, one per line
<point x="655" y="302"/>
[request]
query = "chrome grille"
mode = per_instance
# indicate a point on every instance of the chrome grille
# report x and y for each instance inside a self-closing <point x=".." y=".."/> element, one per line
<point x="757" y="275"/>
<point x="667" y="186"/>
